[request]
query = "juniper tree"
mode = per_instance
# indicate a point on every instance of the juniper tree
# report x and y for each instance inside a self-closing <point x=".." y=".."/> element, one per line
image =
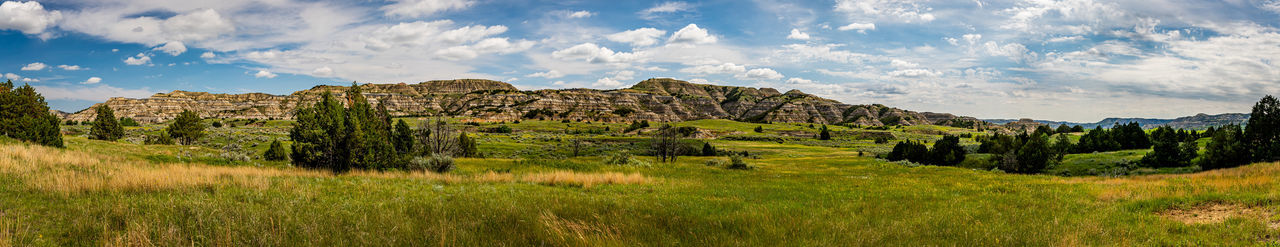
<point x="947" y="152"/>
<point x="105" y="126"/>
<point x="276" y="152"/>
<point x="825" y="134"/>
<point x="1227" y="148"/>
<point x="403" y="138"/>
<point x="187" y="128"/>
<point x="1262" y="133"/>
<point x="318" y="133"/>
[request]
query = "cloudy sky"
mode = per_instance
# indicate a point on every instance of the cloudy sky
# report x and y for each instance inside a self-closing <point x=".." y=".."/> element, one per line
<point x="1077" y="60"/>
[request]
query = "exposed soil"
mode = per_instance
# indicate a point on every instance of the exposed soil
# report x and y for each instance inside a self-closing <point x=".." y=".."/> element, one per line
<point x="1215" y="213"/>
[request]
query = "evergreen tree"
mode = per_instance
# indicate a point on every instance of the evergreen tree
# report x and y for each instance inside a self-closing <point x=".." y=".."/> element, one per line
<point x="1262" y="133"/>
<point x="759" y="129"/>
<point x="24" y="115"/>
<point x="466" y="146"/>
<point x="276" y="152"/>
<point x="1168" y="150"/>
<point x="825" y="134"/>
<point x="187" y="128"/>
<point x="1063" y="128"/>
<point x="318" y="135"/>
<point x="947" y="152"/>
<point x="708" y="150"/>
<point x="1097" y="140"/>
<point x="1032" y="157"/>
<point x="403" y="138"/>
<point x="1077" y="129"/>
<point x="1226" y="149"/>
<point x="910" y="151"/>
<point x="105" y="126"/>
<point x="1062" y="146"/>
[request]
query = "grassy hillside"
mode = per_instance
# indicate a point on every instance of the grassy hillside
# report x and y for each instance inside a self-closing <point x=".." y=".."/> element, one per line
<point x="801" y="192"/>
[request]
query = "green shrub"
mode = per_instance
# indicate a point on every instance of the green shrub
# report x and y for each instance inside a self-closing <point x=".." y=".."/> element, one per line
<point x="105" y="126"/>
<point x="436" y="163"/>
<point x="129" y="122"/>
<point x="160" y="139"/>
<point x="276" y="152"/>
<point x="736" y="163"/>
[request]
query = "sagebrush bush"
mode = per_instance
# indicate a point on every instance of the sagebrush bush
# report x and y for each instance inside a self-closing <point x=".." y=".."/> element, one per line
<point x="436" y="163"/>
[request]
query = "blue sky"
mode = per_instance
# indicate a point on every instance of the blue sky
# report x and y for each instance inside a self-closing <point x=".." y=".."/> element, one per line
<point x="1075" y="60"/>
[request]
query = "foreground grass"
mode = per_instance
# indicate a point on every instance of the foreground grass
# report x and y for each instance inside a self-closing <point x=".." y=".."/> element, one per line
<point x="797" y="195"/>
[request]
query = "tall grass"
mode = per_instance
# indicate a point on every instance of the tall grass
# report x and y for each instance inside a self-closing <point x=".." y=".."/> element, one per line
<point x="56" y="170"/>
<point x="585" y="180"/>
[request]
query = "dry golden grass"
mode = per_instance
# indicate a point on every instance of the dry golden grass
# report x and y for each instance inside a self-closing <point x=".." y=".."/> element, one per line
<point x="64" y="171"/>
<point x="1257" y="177"/>
<point x="56" y="170"/>
<point x="6" y="231"/>
<point x="585" y="180"/>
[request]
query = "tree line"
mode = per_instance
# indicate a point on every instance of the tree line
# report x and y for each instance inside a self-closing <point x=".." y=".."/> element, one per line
<point x="24" y="115"/>
<point x="339" y="137"/>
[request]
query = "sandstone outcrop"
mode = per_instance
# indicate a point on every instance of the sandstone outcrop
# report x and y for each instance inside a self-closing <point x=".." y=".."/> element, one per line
<point x="658" y="99"/>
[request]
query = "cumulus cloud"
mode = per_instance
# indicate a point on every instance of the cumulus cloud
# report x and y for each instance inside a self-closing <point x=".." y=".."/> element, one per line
<point x="423" y="8"/>
<point x="174" y="48"/>
<point x="193" y="25"/>
<point x="692" y="35"/>
<point x="140" y="59"/>
<point x="762" y="74"/>
<point x="92" y="80"/>
<point x="638" y="37"/>
<point x="34" y="66"/>
<point x="99" y="93"/>
<point x="28" y="17"/>
<point x="552" y="74"/>
<point x="593" y="53"/>
<point x="860" y="27"/>
<point x="208" y="55"/>
<point x="798" y="35"/>
<point x="69" y="67"/>
<point x="322" y="72"/>
<point x="264" y="74"/>
<point x="615" y="80"/>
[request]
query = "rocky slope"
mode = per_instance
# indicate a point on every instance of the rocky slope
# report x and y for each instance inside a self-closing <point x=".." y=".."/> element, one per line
<point x="1199" y="121"/>
<point x="654" y="100"/>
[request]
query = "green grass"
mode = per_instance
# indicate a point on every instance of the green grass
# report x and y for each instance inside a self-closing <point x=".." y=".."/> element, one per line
<point x="799" y="194"/>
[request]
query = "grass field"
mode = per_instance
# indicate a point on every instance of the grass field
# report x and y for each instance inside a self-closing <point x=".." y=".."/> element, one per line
<point x="800" y="193"/>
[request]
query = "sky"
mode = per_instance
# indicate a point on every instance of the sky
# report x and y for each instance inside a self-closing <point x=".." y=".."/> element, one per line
<point x="1072" y="60"/>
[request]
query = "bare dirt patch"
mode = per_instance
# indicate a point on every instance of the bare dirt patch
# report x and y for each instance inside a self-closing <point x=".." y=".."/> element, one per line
<point x="1216" y="213"/>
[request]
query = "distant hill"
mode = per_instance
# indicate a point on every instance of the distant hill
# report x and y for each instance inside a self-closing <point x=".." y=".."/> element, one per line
<point x="1199" y="121"/>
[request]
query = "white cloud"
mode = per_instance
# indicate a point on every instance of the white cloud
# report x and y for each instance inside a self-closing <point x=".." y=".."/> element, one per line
<point x="34" y="66"/>
<point x="174" y="48"/>
<point x="12" y="76"/>
<point x="100" y="93"/>
<point x="798" y="35"/>
<point x="725" y="68"/>
<point x="798" y="80"/>
<point x="30" y="80"/>
<point x="140" y="59"/>
<point x="551" y="74"/>
<point x="907" y="11"/>
<point x="69" y="67"/>
<point x="322" y="72"/>
<point x="691" y="34"/>
<point x="666" y="7"/>
<point x="594" y="54"/>
<point x="762" y="74"/>
<point x="860" y="27"/>
<point x="27" y="17"/>
<point x="638" y="37"/>
<point x="92" y="80"/>
<point x="1065" y="39"/>
<point x="191" y="26"/>
<point x="616" y="80"/>
<point x="912" y="73"/>
<point x="580" y="14"/>
<point x="1014" y="51"/>
<point x="208" y="55"/>
<point x="264" y="74"/>
<point x="423" y="8"/>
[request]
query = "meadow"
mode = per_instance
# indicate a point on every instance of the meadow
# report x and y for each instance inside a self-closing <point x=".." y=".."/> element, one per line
<point x="528" y="190"/>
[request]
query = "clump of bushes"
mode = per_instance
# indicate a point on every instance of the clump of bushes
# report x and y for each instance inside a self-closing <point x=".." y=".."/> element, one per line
<point x="736" y="163"/>
<point x="276" y="152"/>
<point x="623" y="159"/>
<point x="436" y="163"/>
<point x="160" y="139"/>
